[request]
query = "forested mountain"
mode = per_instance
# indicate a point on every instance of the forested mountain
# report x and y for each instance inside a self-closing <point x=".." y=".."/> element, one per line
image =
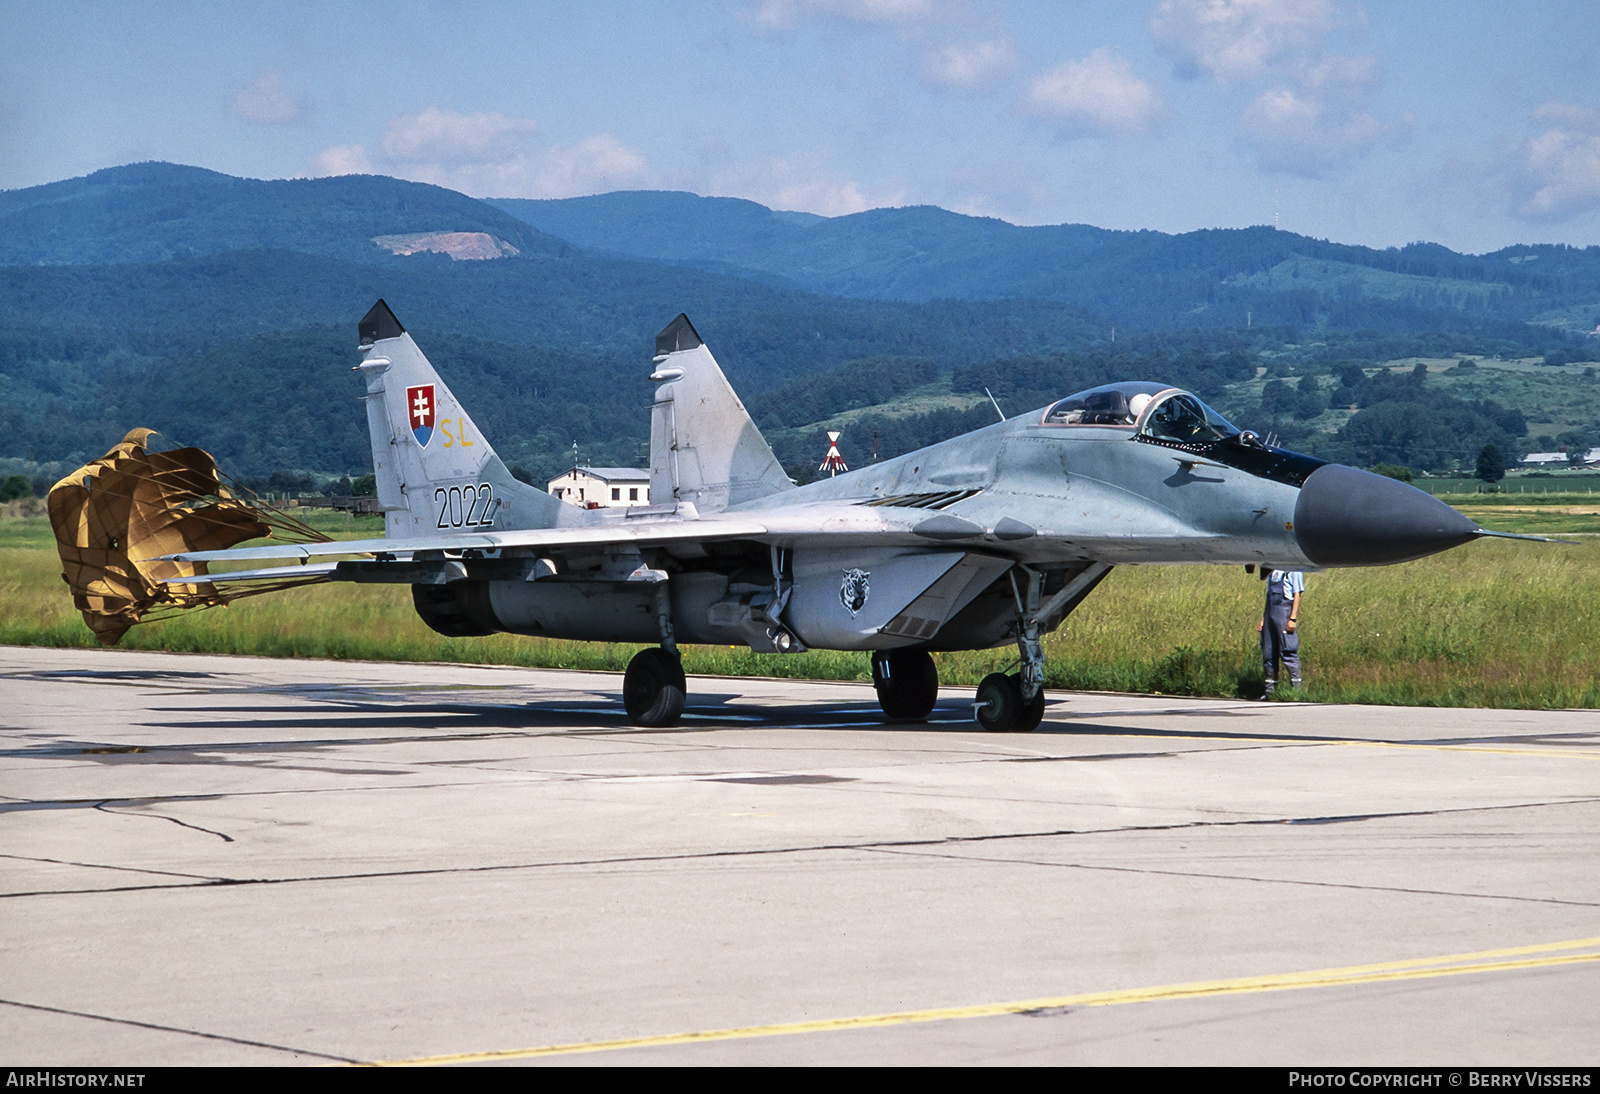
<point x="246" y="348"/>
<point x="222" y="312"/>
<point x="1206" y="278"/>
<point x="147" y="212"/>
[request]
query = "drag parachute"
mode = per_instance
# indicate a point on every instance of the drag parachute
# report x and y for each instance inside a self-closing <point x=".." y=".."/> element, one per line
<point x="115" y="516"/>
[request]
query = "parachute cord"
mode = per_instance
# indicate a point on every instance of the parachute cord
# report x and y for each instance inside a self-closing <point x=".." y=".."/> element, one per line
<point x="162" y="612"/>
<point x="298" y="531"/>
<point x="274" y="517"/>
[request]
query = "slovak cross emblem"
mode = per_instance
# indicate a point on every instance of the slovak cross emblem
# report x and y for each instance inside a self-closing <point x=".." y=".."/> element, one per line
<point x="853" y="591"/>
<point x="420" y="408"/>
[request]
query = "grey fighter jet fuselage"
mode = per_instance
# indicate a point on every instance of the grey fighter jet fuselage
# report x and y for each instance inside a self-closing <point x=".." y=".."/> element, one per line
<point x="980" y="541"/>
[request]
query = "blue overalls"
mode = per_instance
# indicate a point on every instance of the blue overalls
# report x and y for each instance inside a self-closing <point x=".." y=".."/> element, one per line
<point x="1276" y="641"/>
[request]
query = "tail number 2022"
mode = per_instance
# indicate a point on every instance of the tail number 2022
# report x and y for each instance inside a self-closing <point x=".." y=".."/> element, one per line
<point x="465" y="506"/>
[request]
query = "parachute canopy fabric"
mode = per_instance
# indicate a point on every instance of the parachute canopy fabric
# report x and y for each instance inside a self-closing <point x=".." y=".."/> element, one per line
<point x="132" y="505"/>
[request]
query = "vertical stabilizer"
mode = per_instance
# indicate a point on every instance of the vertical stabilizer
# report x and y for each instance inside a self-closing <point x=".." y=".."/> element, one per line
<point x="436" y="473"/>
<point x="704" y="449"/>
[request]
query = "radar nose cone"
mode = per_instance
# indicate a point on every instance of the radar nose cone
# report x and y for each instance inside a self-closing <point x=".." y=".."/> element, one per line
<point x="1346" y="517"/>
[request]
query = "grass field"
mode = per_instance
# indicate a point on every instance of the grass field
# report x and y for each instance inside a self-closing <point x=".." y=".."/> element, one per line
<point x="1494" y="623"/>
<point x="1563" y="483"/>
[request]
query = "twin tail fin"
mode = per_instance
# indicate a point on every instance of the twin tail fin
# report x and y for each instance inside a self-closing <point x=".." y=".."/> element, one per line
<point x="436" y="473"/>
<point x="704" y="448"/>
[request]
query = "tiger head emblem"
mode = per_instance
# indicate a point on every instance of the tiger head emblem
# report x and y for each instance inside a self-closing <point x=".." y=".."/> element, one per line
<point x="853" y="591"/>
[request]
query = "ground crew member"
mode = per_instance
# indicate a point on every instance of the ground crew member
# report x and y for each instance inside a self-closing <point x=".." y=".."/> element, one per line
<point x="1279" y="626"/>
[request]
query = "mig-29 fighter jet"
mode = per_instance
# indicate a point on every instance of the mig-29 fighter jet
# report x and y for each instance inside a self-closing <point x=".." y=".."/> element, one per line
<point x="986" y="540"/>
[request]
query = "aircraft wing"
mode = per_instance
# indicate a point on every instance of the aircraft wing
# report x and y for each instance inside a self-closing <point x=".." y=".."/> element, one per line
<point x="273" y="573"/>
<point x="833" y="523"/>
<point x="641" y="533"/>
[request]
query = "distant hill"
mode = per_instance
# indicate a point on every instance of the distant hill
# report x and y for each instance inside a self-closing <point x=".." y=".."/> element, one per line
<point x="147" y="212"/>
<point x="198" y="304"/>
<point x="1215" y="277"/>
<point x="221" y="311"/>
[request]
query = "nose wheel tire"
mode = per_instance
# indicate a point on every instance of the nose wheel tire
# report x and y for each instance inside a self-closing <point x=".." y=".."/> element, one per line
<point x="907" y="682"/>
<point x="653" y="689"/>
<point x="1000" y="708"/>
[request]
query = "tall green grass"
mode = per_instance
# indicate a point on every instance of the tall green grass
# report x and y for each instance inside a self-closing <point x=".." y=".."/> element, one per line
<point x="1498" y="624"/>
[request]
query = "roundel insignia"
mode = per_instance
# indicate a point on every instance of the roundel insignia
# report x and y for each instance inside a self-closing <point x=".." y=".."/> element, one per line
<point x="420" y="411"/>
<point x="853" y="591"/>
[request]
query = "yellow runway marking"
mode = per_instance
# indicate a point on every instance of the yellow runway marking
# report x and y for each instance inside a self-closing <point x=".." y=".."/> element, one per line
<point x="1314" y="742"/>
<point x="1517" y="957"/>
<point x="1541" y="752"/>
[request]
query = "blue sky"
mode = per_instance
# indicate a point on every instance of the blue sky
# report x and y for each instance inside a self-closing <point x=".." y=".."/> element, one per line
<point x="1476" y="125"/>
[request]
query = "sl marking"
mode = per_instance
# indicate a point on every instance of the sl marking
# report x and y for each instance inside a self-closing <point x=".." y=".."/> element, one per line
<point x="459" y="437"/>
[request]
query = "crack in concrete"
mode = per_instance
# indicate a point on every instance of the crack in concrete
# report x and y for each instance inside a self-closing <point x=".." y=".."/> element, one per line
<point x="179" y="1029"/>
<point x="105" y="866"/>
<point x="1153" y="871"/>
<point x="105" y="807"/>
<point x="822" y="848"/>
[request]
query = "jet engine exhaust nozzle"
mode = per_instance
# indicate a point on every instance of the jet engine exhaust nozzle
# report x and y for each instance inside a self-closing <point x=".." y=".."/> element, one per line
<point x="1346" y="517"/>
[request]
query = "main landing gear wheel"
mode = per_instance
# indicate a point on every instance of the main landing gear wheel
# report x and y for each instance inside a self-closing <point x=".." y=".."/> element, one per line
<point x="1000" y="708"/>
<point x="907" y="682"/>
<point x="653" y="689"/>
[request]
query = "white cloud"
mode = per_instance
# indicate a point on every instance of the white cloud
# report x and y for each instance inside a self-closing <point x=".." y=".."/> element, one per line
<point x="1301" y="134"/>
<point x="445" y="137"/>
<point x="785" y="14"/>
<point x="490" y="155"/>
<point x="1348" y="74"/>
<point x="1308" y="108"/>
<point x="1576" y="117"/>
<point x="1100" y="93"/>
<point x="1237" y="41"/>
<point x="342" y="159"/>
<point x="822" y="196"/>
<point x="978" y="67"/>
<point x="963" y="48"/>
<point x="593" y="165"/>
<point x="790" y="184"/>
<point x="1559" y="170"/>
<point x="267" y="102"/>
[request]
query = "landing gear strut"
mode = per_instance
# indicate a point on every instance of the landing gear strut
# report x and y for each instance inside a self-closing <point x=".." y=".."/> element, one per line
<point x="1015" y="704"/>
<point x="653" y="689"/>
<point x="907" y="682"/>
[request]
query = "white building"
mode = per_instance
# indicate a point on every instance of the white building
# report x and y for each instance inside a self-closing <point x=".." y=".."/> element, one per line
<point x="1560" y="459"/>
<point x="603" y="487"/>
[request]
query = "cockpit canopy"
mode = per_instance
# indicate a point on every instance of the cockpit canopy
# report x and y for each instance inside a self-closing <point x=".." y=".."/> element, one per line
<point x="1179" y="416"/>
<point x="1109" y="404"/>
<point x="1161" y="413"/>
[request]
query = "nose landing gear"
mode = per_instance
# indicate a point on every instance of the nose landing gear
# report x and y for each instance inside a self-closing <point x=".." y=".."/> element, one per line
<point x="1002" y="709"/>
<point x="1011" y="704"/>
